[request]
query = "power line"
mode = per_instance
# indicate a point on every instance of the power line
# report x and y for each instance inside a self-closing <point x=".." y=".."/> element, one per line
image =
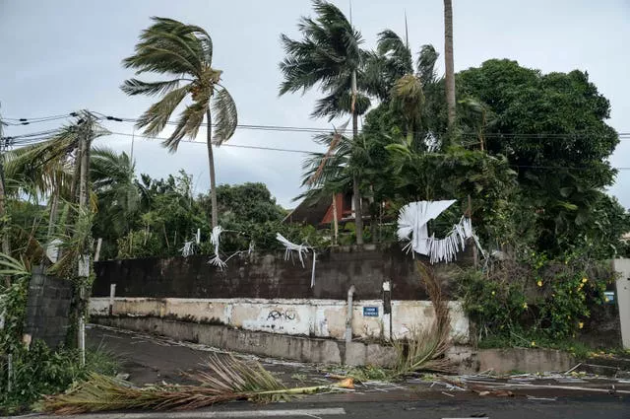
<point x="623" y="136"/>
<point x="315" y="130"/>
<point x="288" y="150"/>
<point x="314" y="152"/>
<point x="29" y="121"/>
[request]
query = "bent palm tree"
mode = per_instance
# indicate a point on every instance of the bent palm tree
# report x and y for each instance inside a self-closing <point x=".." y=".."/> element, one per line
<point x="183" y="52"/>
<point x="329" y="55"/>
<point x="114" y="183"/>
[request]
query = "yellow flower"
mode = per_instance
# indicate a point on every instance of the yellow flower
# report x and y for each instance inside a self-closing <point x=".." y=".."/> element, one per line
<point x="539" y="283"/>
<point x="493" y="292"/>
<point x="580" y="325"/>
<point x="584" y="280"/>
<point x="524" y="305"/>
<point x="606" y="299"/>
<point x="533" y="343"/>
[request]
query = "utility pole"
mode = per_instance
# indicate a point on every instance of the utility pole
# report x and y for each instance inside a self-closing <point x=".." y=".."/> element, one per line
<point x="4" y="222"/>
<point x="83" y="159"/>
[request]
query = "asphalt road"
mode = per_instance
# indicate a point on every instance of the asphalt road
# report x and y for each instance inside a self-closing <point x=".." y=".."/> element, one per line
<point x="152" y="360"/>
<point x="591" y="408"/>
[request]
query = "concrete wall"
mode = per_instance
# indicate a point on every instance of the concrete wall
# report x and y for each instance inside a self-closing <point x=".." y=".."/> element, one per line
<point x="298" y="317"/>
<point x="268" y="276"/>
<point x="47" y="309"/>
<point x="329" y="351"/>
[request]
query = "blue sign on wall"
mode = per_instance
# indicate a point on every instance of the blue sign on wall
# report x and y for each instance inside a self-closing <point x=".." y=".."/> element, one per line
<point x="370" y="311"/>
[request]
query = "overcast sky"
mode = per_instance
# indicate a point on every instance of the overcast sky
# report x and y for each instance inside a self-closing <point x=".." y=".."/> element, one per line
<point x="64" y="55"/>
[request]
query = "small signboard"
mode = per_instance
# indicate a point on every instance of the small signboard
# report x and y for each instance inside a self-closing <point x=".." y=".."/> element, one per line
<point x="609" y="297"/>
<point x="370" y="311"/>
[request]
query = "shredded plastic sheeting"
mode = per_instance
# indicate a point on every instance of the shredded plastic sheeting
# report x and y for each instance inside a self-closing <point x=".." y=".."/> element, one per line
<point x="412" y="226"/>
<point x="214" y="239"/>
<point x="302" y="250"/>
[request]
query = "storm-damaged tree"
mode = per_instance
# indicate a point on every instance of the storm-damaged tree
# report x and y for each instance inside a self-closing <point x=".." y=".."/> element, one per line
<point x="184" y="53"/>
<point x="329" y="55"/>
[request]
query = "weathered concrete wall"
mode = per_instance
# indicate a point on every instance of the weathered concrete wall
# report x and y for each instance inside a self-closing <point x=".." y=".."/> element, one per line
<point x="329" y="351"/>
<point x="47" y="309"/>
<point x="267" y="276"/>
<point x="303" y="317"/>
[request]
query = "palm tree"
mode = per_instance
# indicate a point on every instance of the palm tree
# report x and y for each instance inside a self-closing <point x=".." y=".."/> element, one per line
<point x="46" y="168"/>
<point x="329" y="55"/>
<point x="393" y="78"/>
<point x="113" y="181"/>
<point x="184" y="53"/>
<point x="450" y="66"/>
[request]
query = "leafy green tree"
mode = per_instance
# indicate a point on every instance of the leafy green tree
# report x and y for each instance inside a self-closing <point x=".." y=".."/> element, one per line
<point x="552" y="129"/>
<point x="183" y="52"/>
<point x="329" y="55"/>
<point x="249" y="202"/>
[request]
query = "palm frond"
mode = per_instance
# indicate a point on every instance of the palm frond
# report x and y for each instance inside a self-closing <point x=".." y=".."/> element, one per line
<point x="188" y="124"/>
<point x="226" y="117"/>
<point x="427" y="58"/>
<point x="328" y="53"/>
<point x="389" y="44"/>
<point x="408" y="99"/>
<point x="227" y="379"/>
<point x="134" y="87"/>
<point x="426" y="349"/>
<point x="156" y="117"/>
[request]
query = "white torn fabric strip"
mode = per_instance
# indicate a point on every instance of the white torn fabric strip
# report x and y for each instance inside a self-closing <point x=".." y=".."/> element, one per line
<point x="412" y="226"/>
<point x="301" y="250"/>
<point x="188" y="249"/>
<point x="214" y="239"/>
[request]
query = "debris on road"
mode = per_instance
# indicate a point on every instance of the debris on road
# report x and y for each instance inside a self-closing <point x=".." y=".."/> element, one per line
<point x="226" y="379"/>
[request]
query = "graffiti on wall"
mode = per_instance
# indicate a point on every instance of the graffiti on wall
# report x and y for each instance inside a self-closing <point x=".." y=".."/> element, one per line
<point x="281" y="315"/>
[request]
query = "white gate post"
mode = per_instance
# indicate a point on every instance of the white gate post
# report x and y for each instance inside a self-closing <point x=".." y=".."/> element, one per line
<point x="622" y="267"/>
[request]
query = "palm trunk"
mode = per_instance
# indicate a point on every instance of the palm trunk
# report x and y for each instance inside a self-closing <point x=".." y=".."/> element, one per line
<point x="450" y="66"/>
<point x="213" y="181"/>
<point x="356" y="192"/>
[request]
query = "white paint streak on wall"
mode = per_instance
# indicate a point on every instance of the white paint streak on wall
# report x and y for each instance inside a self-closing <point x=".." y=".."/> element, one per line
<point x="310" y="317"/>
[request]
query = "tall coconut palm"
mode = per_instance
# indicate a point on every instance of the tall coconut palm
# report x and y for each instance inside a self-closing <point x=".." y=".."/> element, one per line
<point x="450" y="66"/>
<point x="184" y="54"/>
<point x="329" y="55"/>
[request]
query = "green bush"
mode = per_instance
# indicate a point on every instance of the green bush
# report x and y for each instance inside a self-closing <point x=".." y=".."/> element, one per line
<point x="532" y="299"/>
<point x="41" y="370"/>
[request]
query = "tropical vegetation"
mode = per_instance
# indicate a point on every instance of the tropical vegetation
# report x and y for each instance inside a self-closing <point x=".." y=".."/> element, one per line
<point x="525" y="154"/>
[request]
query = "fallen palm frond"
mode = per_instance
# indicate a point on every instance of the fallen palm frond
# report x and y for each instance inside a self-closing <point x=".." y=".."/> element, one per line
<point x="227" y="379"/>
<point x="426" y="349"/>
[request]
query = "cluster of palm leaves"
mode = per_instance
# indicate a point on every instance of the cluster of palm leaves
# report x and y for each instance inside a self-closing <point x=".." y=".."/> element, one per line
<point x="329" y="56"/>
<point x="184" y="54"/>
<point x="49" y="170"/>
<point x="224" y="379"/>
